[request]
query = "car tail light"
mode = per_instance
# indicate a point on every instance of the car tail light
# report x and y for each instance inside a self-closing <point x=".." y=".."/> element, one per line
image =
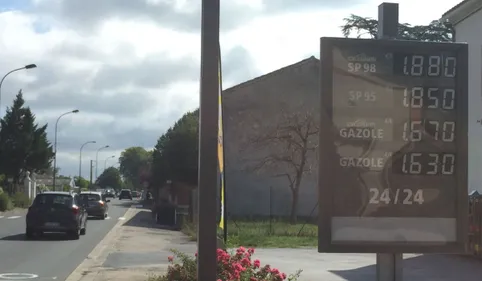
<point x="101" y="202"/>
<point x="75" y="209"/>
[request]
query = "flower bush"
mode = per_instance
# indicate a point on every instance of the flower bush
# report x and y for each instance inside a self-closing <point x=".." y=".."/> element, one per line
<point x="236" y="266"/>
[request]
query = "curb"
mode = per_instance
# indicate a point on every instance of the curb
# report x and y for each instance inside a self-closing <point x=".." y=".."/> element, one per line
<point x="99" y="254"/>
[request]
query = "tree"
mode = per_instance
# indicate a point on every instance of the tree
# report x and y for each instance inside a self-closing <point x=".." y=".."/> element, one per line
<point x="110" y="178"/>
<point x="81" y="182"/>
<point x="23" y="144"/>
<point x="285" y="150"/>
<point x="175" y="156"/>
<point x="436" y="31"/>
<point x="135" y="165"/>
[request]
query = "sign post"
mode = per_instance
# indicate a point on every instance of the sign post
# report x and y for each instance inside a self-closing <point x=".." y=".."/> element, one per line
<point x="393" y="133"/>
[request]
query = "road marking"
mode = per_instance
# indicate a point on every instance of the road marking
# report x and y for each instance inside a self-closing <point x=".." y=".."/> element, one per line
<point x="17" y="276"/>
<point x="107" y="218"/>
<point x="1" y="217"/>
<point x="13" y="217"/>
<point x="122" y="218"/>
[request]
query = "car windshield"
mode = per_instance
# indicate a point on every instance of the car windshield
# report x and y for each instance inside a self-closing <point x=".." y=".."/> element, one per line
<point x="125" y="192"/>
<point x="52" y="199"/>
<point x="90" y="197"/>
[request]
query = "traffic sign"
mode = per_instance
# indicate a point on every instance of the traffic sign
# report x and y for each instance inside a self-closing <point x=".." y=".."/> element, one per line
<point x="393" y="146"/>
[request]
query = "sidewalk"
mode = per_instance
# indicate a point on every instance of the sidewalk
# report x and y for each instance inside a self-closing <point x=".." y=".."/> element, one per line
<point x="133" y="250"/>
<point x="14" y="212"/>
<point x="136" y="248"/>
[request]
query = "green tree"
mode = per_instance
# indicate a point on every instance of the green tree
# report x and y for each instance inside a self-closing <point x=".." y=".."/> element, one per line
<point x="110" y="178"/>
<point x="23" y="143"/>
<point x="135" y="163"/>
<point x="436" y="31"/>
<point x="175" y="156"/>
<point x="81" y="182"/>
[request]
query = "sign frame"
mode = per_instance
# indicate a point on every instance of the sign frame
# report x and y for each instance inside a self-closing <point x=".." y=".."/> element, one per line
<point x="328" y="154"/>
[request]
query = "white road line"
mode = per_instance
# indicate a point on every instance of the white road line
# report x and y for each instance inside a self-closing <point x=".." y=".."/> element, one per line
<point x="107" y="218"/>
<point x="1" y="217"/>
<point x="121" y="218"/>
<point x="13" y="217"/>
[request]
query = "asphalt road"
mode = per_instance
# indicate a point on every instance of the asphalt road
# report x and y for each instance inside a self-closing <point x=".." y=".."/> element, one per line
<point x="52" y="257"/>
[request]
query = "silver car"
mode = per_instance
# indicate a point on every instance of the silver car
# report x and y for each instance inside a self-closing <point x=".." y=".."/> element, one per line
<point x="96" y="205"/>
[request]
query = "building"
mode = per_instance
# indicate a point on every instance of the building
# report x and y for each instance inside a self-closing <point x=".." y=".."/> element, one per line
<point x="253" y="110"/>
<point x="466" y="18"/>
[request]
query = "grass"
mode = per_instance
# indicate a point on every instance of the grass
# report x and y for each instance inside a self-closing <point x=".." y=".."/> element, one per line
<point x="263" y="234"/>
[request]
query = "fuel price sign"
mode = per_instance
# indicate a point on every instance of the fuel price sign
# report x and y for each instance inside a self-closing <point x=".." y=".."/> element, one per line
<point x="393" y="146"/>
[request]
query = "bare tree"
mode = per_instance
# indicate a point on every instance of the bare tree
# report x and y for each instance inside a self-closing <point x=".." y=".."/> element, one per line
<point x="285" y="149"/>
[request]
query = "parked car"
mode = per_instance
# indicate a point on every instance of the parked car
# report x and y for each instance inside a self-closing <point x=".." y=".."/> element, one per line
<point x="96" y="205"/>
<point x="125" y="194"/>
<point x="56" y="212"/>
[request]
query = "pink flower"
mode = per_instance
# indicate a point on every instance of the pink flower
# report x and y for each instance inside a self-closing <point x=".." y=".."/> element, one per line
<point x="170" y="258"/>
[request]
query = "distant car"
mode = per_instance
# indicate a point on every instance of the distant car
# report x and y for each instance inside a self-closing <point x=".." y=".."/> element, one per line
<point x="136" y="194"/>
<point x="125" y="194"/>
<point x="96" y="205"/>
<point x="109" y="194"/>
<point x="56" y="212"/>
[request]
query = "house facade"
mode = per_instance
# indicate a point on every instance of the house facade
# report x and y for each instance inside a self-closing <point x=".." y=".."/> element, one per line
<point x="254" y="110"/>
<point x="466" y="18"/>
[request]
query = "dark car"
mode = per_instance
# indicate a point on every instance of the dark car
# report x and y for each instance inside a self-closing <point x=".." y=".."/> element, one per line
<point x="56" y="212"/>
<point x="96" y="204"/>
<point x="125" y="194"/>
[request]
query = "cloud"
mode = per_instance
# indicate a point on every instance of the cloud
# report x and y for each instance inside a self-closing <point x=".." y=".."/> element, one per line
<point x="132" y="66"/>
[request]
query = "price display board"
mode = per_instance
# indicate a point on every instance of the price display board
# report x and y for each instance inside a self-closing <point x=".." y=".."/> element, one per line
<point x="393" y="146"/>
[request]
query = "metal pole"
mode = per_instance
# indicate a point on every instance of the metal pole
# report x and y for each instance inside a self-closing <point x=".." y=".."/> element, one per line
<point x="91" y="165"/>
<point x="55" y="145"/>
<point x="80" y="158"/>
<point x="12" y="71"/>
<point x="389" y="265"/>
<point x="105" y="162"/>
<point x="97" y="160"/>
<point x="208" y="142"/>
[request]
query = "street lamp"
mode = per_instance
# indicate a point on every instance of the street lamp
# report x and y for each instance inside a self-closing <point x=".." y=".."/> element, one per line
<point x="80" y="158"/>
<point x="28" y="66"/>
<point x="55" y="144"/>
<point x="105" y="162"/>
<point x="97" y="160"/>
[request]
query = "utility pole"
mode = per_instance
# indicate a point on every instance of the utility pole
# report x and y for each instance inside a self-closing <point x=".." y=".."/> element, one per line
<point x="91" y="167"/>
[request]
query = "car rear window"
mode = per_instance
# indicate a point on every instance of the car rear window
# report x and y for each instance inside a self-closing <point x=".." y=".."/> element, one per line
<point x="90" y="197"/>
<point x="125" y="192"/>
<point x="52" y="199"/>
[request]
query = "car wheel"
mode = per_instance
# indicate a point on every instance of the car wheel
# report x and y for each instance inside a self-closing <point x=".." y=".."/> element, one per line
<point x="103" y="217"/>
<point x="29" y="233"/>
<point x="75" y="234"/>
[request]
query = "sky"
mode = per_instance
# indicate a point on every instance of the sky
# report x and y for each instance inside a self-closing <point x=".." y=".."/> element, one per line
<point x="131" y="67"/>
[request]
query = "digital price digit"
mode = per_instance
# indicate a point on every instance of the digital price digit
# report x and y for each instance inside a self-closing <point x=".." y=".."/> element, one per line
<point x="432" y="66"/>
<point x="418" y="97"/>
<point x="440" y="130"/>
<point x="417" y="163"/>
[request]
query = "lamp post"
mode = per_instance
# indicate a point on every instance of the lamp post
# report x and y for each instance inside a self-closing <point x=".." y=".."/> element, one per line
<point x="28" y="66"/>
<point x="55" y="144"/>
<point x="105" y="162"/>
<point x="80" y="158"/>
<point x="97" y="160"/>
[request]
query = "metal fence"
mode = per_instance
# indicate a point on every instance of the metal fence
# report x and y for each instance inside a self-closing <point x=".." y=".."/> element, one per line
<point x="475" y="227"/>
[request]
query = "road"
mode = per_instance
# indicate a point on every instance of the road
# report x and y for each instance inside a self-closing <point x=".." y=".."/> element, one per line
<point x="52" y="257"/>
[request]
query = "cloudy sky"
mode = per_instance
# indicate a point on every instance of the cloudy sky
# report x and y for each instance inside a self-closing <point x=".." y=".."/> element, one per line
<point x="132" y="66"/>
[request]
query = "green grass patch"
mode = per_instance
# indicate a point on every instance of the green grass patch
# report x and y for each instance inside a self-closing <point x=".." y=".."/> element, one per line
<point x="277" y="234"/>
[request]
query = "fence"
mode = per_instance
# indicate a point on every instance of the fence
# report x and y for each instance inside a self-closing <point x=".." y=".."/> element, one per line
<point x="266" y="221"/>
<point x="475" y="227"/>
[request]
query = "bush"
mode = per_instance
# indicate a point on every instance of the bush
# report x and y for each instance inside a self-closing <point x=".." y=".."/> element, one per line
<point x="1" y="190"/>
<point x="231" y="267"/>
<point x="21" y="200"/>
<point x="5" y="202"/>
